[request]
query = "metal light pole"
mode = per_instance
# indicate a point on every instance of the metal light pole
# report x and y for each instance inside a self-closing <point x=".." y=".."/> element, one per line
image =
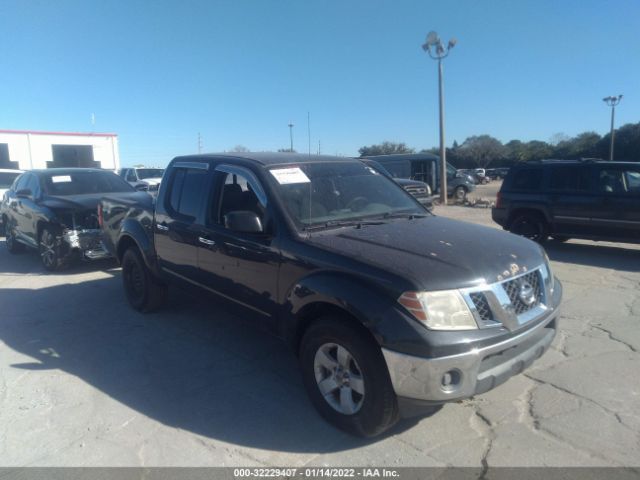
<point x="612" y="102"/>
<point x="436" y="50"/>
<point x="291" y="137"/>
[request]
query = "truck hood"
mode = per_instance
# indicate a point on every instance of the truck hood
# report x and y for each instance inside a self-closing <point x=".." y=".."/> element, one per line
<point x="152" y="181"/>
<point x="435" y="253"/>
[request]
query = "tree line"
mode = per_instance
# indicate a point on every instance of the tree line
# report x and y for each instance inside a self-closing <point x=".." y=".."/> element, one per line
<point x="481" y="151"/>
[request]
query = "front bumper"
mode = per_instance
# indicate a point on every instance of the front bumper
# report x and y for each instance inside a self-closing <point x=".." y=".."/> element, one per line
<point x="455" y="377"/>
<point x="87" y="243"/>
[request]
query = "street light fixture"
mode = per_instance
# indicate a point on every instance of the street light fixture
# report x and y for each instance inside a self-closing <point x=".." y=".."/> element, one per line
<point x="436" y="50"/>
<point x="612" y="102"/>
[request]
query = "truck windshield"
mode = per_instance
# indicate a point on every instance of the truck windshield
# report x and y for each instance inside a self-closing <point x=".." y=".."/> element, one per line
<point x="81" y="183"/>
<point x="323" y="193"/>
<point x="144" y="173"/>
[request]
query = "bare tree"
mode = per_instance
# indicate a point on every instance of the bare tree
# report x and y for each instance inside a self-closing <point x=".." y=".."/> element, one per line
<point x="239" y="148"/>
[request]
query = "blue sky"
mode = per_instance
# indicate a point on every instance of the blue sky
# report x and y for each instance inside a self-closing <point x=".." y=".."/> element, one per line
<point x="158" y="72"/>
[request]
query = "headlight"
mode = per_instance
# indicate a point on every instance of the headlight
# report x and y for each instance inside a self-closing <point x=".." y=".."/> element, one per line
<point x="443" y="310"/>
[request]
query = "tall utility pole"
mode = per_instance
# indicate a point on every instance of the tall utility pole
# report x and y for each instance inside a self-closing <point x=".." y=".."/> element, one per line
<point x="438" y="53"/>
<point x="612" y="102"/>
<point x="199" y="143"/>
<point x="309" y="131"/>
<point x="291" y="137"/>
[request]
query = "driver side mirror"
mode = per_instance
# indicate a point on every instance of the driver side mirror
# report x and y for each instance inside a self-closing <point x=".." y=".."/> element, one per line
<point x="243" y="221"/>
<point x="24" y="193"/>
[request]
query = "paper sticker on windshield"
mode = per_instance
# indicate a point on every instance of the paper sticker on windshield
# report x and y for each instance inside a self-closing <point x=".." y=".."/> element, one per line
<point x="286" y="176"/>
<point x="60" y="178"/>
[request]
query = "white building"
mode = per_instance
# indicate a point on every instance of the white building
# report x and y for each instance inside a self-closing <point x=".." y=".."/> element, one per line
<point x="27" y="150"/>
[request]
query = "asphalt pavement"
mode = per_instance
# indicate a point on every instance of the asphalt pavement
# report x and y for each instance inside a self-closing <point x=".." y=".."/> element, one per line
<point x="86" y="381"/>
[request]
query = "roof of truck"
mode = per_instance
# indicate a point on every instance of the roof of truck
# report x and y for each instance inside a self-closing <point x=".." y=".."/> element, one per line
<point x="267" y="158"/>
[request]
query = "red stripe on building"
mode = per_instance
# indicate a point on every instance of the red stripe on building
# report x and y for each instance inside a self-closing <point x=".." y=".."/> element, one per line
<point x="72" y="134"/>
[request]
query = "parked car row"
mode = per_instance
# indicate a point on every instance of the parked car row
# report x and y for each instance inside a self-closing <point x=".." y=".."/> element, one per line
<point x="143" y="178"/>
<point x="379" y="298"/>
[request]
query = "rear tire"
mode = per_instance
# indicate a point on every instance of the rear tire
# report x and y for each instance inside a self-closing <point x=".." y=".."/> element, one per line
<point x="13" y="246"/>
<point x="531" y="226"/>
<point x="358" y="395"/>
<point x="144" y="292"/>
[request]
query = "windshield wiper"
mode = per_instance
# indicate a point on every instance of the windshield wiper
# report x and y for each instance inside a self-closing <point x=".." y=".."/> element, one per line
<point x="341" y="223"/>
<point x="409" y="216"/>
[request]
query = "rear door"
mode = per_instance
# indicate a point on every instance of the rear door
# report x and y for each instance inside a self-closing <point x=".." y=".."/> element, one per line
<point x="618" y="212"/>
<point x="179" y="219"/>
<point x="573" y="199"/>
<point x="242" y="267"/>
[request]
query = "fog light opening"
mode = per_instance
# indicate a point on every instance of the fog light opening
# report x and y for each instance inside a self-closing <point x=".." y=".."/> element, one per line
<point x="451" y="380"/>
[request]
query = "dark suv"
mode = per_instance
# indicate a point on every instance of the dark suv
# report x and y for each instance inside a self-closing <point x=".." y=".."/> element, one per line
<point x="594" y="200"/>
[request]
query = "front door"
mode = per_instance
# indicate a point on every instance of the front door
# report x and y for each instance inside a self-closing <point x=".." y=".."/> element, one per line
<point x="242" y="267"/>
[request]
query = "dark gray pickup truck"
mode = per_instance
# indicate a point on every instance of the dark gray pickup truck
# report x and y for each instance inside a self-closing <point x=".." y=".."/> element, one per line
<point x="389" y="307"/>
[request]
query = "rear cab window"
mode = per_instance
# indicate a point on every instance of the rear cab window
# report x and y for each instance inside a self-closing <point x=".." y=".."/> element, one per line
<point x="187" y="189"/>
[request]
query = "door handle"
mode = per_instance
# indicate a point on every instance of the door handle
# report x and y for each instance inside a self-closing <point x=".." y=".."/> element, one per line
<point x="161" y="227"/>
<point x="206" y="241"/>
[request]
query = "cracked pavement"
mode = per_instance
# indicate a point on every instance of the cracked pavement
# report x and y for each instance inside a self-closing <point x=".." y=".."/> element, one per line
<point x="85" y="381"/>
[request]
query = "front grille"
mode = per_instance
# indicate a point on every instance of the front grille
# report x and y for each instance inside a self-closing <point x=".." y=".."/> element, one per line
<point x="514" y="287"/>
<point x="482" y="306"/>
<point x="416" y="190"/>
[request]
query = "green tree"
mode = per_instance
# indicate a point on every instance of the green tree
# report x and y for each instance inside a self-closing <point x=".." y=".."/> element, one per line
<point x="481" y="150"/>
<point x="627" y="143"/>
<point x="385" y="148"/>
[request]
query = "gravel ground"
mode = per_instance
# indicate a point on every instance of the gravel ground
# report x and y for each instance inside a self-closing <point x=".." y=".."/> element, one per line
<point x="85" y="381"/>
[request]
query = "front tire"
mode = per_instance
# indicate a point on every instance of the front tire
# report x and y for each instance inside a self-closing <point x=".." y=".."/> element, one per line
<point x="50" y="249"/>
<point x="530" y="226"/>
<point x="460" y="193"/>
<point x="144" y="292"/>
<point x="346" y="377"/>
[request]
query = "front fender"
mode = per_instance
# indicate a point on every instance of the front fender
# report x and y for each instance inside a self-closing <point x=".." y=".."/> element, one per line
<point x="369" y="303"/>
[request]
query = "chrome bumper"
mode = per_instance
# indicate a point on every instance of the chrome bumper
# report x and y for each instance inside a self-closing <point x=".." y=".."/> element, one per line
<point x="445" y="379"/>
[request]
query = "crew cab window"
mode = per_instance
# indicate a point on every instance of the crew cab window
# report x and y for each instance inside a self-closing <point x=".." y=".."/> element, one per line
<point x="187" y="188"/>
<point x="570" y="178"/>
<point x="527" y="179"/>
<point x="238" y="193"/>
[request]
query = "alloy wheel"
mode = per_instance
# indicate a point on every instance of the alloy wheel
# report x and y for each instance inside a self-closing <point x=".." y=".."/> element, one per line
<point x="339" y="378"/>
